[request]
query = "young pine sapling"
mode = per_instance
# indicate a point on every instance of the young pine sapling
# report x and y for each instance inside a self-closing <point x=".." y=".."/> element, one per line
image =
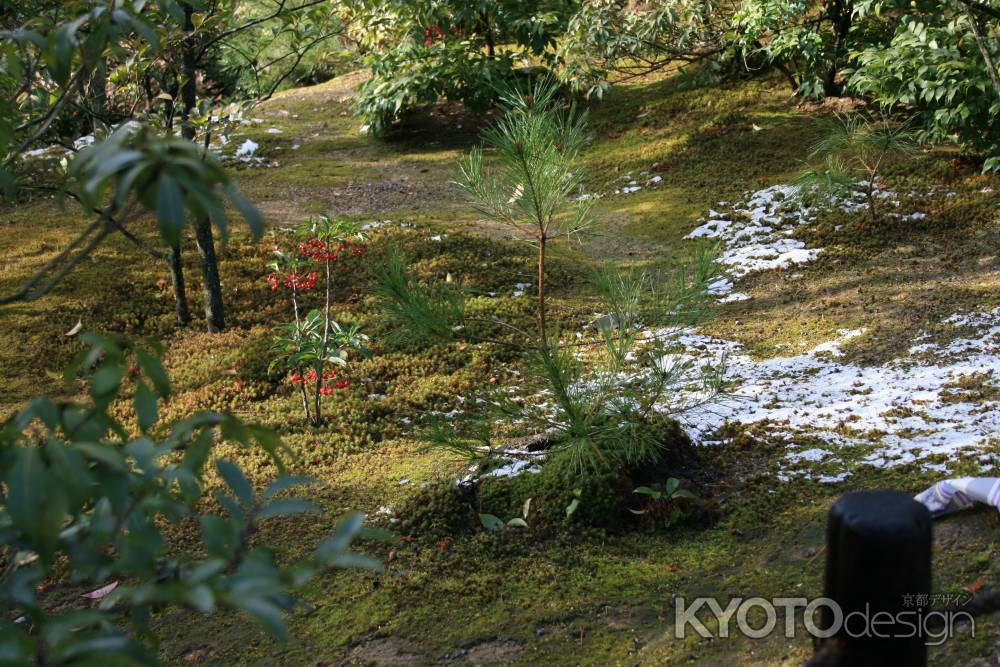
<point x="531" y="189"/>
<point x="853" y="152"/>
<point x="597" y="399"/>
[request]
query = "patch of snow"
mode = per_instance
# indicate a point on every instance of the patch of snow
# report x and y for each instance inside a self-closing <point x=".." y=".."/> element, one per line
<point x="814" y="454"/>
<point x="515" y="468"/>
<point x="719" y="286"/>
<point x="734" y="297"/>
<point x="38" y="152"/>
<point x="247" y="149"/>
<point x="902" y="407"/>
<point x="273" y="130"/>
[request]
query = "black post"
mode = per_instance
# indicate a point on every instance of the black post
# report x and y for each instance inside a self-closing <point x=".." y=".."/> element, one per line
<point x="878" y="560"/>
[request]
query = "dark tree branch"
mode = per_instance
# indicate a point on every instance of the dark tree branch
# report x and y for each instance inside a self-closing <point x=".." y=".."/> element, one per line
<point x="255" y="22"/>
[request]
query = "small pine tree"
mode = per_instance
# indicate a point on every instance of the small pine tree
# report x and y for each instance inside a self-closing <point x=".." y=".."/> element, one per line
<point x="853" y="152"/>
<point x="537" y="145"/>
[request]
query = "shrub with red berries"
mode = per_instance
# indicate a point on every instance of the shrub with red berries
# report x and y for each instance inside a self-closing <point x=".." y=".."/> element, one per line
<point x="308" y="346"/>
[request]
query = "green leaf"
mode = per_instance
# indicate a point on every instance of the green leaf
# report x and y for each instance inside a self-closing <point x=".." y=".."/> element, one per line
<point x="202" y="598"/>
<point x="145" y="406"/>
<point x="26" y="488"/>
<point x="284" y="483"/>
<point x="491" y="522"/>
<point x="106" y="381"/>
<point x="337" y="543"/>
<point x="105" y="454"/>
<point x="36" y="504"/>
<point x="287" y="508"/>
<point x="268" y="614"/>
<point x="248" y="211"/>
<point x="153" y="369"/>
<point x="519" y="522"/>
<point x="235" y="480"/>
<point x="572" y="506"/>
<point x="169" y="209"/>
<point x="359" y="561"/>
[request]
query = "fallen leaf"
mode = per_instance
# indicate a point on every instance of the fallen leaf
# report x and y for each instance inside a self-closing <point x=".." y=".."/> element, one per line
<point x="101" y="592"/>
<point x="975" y="586"/>
<point x="76" y="328"/>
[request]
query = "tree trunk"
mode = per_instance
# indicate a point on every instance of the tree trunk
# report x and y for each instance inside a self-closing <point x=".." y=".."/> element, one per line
<point x="977" y="33"/>
<point x="180" y="292"/>
<point x="541" y="289"/>
<point x="488" y="33"/>
<point x="841" y="15"/>
<point x="214" y="312"/>
<point x="317" y="414"/>
<point x="99" y="96"/>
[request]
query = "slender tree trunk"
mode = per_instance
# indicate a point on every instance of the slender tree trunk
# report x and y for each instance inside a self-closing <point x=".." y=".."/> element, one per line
<point x="303" y="394"/>
<point x="305" y="398"/>
<point x="180" y="291"/>
<point x="872" y="200"/>
<point x="488" y="33"/>
<point x="977" y="32"/>
<point x="317" y="416"/>
<point x="541" y="289"/>
<point x="99" y="95"/>
<point x="214" y="313"/>
<point x="841" y="15"/>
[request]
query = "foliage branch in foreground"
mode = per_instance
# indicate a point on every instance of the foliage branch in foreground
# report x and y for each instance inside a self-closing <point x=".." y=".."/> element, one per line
<point x="90" y="505"/>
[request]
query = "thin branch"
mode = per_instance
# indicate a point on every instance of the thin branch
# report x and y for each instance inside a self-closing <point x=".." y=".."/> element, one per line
<point x="255" y="22"/>
<point x="103" y="226"/>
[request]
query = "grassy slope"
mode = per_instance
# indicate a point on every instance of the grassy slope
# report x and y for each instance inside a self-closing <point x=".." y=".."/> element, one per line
<point x="582" y="599"/>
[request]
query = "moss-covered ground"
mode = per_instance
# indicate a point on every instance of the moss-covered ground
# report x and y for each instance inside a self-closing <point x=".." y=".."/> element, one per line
<point x="577" y="595"/>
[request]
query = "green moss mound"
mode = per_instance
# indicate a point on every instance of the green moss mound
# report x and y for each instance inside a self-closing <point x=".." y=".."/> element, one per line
<point x="559" y="496"/>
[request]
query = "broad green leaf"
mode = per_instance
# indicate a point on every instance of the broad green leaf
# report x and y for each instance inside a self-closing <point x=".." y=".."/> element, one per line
<point x="169" y="209"/>
<point x="491" y="522"/>
<point x="287" y="507"/>
<point x="145" y="406"/>
<point x="236" y="481"/>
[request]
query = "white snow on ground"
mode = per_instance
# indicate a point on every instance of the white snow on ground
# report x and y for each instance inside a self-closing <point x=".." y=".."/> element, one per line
<point x="900" y="412"/>
<point x="906" y="408"/>
<point x="247" y="149"/>
<point x="756" y="235"/>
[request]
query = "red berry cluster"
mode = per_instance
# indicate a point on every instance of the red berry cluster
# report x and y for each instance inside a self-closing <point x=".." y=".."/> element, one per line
<point x="302" y="281"/>
<point x="310" y="378"/>
<point x="320" y="251"/>
<point x="432" y="34"/>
